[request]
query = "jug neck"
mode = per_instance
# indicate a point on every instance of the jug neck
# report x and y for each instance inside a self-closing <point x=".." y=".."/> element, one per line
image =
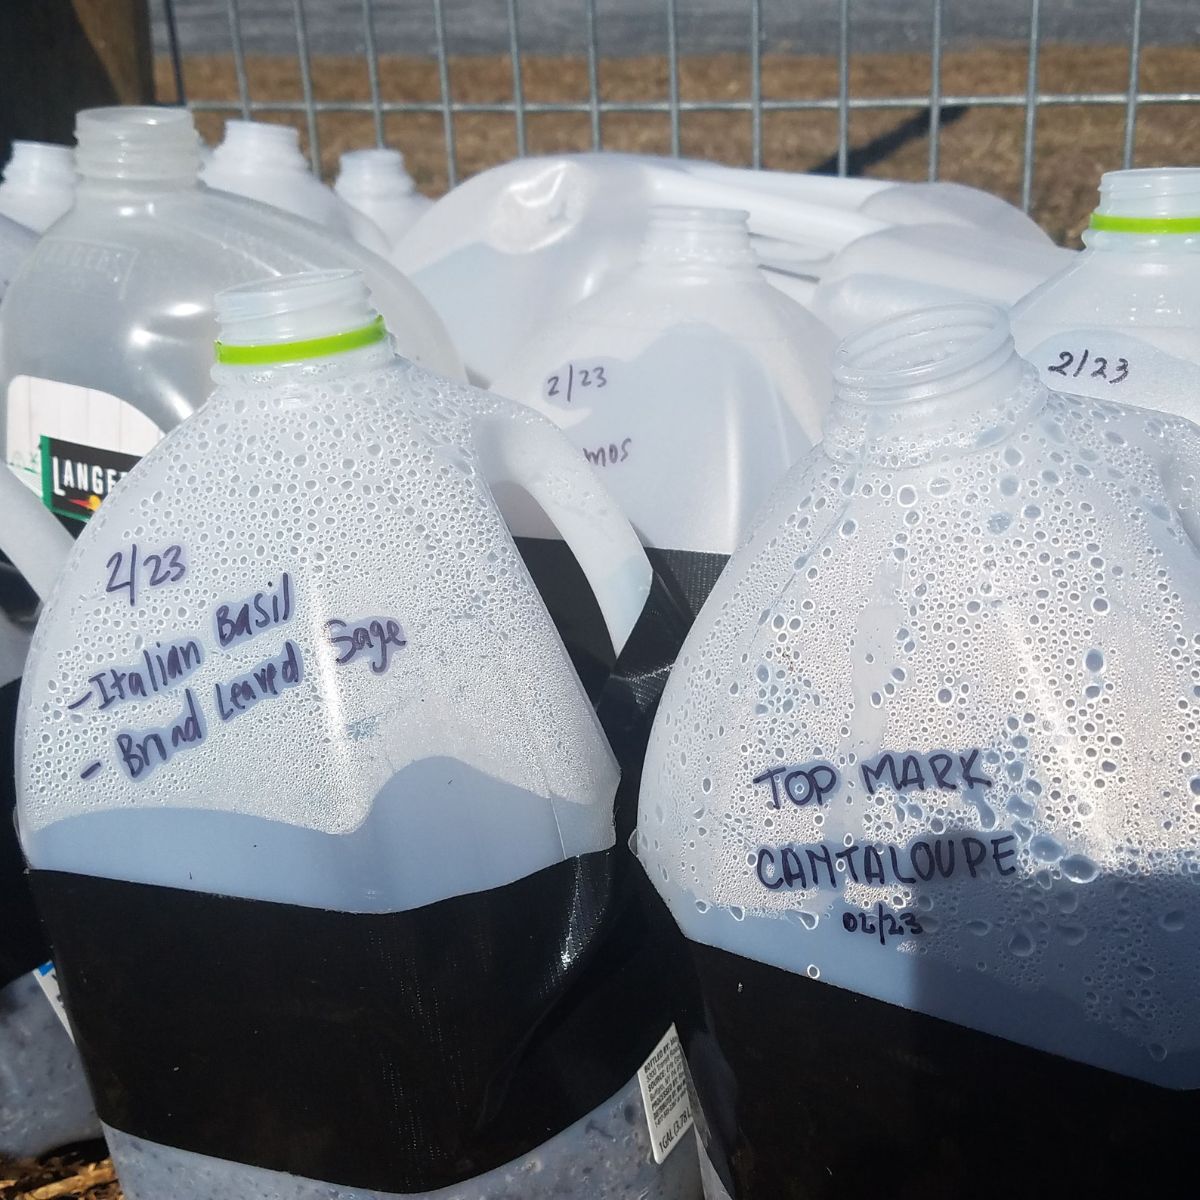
<point x="139" y="151"/>
<point x="1147" y="211"/>
<point x="375" y="172"/>
<point x="698" y="241"/>
<point x="257" y="147"/>
<point x="297" y="325"/>
<point x="928" y="385"/>
<point x="35" y="166"/>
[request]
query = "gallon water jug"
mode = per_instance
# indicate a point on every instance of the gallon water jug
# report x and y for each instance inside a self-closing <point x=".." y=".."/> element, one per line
<point x="921" y="792"/>
<point x="1123" y="321"/>
<point x="44" y="1099"/>
<point x="311" y="574"/>
<point x="38" y="185"/>
<point x="375" y="183"/>
<point x="262" y="161"/>
<point x="689" y="383"/>
<point x="106" y="335"/>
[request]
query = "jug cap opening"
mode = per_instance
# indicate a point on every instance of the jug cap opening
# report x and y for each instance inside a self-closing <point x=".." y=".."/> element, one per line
<point x="1149" y="201"/>
<point x="296" y="317"/>
<point x="257" y="145"/>
<point x="685" y="235"/>
<point x="137" y="144"/>
<point x="919" y="354"/>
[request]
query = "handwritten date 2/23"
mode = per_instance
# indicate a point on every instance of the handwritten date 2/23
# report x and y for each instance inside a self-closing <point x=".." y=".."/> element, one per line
<point x="567" y="381"/>
<point x="1101" y="367"/>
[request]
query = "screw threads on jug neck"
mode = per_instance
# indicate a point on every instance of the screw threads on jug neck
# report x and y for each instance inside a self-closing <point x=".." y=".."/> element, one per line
<point x="1147" y="209"/>
<point x="259" y="145"/>
<point x="697" y="237"/>
<point x="379" y="170"/>
<point x="137" y="145"/>
<point x="33" y="164"/>
<point x="297" y="319"/>
<point x="942" y="381"/>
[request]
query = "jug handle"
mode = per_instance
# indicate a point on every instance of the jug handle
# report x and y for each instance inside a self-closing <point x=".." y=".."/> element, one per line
<point x="31" y="536"/>
<point x="518" y="446"/>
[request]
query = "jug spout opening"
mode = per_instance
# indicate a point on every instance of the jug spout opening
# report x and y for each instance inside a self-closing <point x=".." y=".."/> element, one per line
<point x="944" y="380"/>
<point x="296" y="318"/>
<point x="132" y="145"/>
<point x="934" y="352"/>
<point x="697" y="237"/>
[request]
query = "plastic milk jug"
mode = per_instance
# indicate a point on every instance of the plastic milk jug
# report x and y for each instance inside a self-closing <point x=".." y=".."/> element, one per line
<point x="922" y="789"/>
<point x="689" y="383"/>
<point x="1122" y="322"/>
<point x="296" y="700"/>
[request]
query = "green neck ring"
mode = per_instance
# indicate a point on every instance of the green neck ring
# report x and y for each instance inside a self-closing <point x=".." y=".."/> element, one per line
<point x="279" y="352"/>
<point x="1106" y="223"/>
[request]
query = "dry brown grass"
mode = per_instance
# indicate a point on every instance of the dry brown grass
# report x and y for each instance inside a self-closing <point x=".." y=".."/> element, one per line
<point x="983" y="147"/>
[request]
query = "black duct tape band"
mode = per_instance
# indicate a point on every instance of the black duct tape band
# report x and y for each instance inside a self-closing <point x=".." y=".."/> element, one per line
<point x="23" y="943"/>
<point x="400" y="1052"/>
<point x="811" y="1092"/>
<point x="624" y="690"/>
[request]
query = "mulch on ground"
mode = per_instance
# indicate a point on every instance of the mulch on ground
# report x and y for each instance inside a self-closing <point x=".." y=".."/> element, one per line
<point x="979" y="146"/>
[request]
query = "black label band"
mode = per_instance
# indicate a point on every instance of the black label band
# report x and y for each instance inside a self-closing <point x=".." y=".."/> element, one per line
<point x="811" y="1092"/>
<point x="22" y="941"/>
<point x="401" y="1052"/>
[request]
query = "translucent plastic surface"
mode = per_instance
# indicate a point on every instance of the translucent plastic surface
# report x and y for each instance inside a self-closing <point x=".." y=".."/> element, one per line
<point x="690" y="383"/>
<point x="44" y="1099"/>
<point x="38" y="185"/>
<point x="375" y="183"/>
<point x="945" y="695"/>
<point x="604" y="1156"/>
<point x="1122" y="322"/>
<point x="909" y="267"/>
<point x="132" y="270"/>
<point x="263" y="162"/>
<point x="16" y="244"/>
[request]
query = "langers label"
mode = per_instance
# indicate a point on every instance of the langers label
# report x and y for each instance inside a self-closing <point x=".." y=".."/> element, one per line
<point x="75" y="478"/>
<point x="73" y="444"/>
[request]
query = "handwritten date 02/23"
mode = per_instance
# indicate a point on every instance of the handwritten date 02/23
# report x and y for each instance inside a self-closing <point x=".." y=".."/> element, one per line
<point x="881" y="922"/>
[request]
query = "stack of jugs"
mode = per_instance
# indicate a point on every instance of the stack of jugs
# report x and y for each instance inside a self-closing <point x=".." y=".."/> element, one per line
<point x="106" y="343"/>
<point x="314" y="566"/>
<point x="131" y="272"/>
<point x="921" y="792"/>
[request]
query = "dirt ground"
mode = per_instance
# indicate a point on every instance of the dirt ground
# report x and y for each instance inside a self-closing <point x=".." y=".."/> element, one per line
<point x="980" y="146"/>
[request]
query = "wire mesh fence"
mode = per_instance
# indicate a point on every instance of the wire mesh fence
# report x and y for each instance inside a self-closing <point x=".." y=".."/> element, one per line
<point x="1118" y="89"/>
